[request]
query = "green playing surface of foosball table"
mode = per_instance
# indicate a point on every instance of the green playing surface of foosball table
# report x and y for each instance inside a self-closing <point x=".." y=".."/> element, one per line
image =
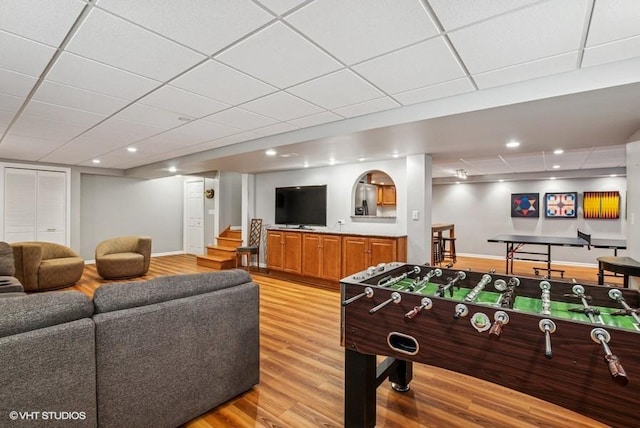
<point x="524" y="304"/>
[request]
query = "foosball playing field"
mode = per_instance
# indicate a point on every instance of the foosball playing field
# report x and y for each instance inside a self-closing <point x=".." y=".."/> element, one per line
<point x="571" y="344"/>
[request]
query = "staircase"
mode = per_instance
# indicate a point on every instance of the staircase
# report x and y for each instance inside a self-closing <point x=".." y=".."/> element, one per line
<point x="223" y="254"/>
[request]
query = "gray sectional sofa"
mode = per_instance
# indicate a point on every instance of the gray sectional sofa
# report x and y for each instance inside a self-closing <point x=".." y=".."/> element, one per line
<point x="152" y="353"/>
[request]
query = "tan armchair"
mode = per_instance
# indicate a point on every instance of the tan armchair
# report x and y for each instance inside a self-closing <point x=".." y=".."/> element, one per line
<point x="42" y="266"/>
<point x="123" y="257"/>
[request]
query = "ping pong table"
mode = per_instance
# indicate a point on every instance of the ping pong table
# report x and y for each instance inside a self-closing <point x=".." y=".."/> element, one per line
<point x="515" y="243"/>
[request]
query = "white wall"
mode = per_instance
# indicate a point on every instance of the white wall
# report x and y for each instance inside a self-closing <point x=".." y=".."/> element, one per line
<point x="482" y="210"/>
<point x="117" y="206"/>
<point x="340" y="181"/>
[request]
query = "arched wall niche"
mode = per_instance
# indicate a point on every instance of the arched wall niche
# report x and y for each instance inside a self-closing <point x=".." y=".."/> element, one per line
<point x="374" y="196"/>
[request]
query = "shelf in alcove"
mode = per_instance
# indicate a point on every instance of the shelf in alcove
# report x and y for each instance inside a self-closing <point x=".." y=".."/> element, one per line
<point x="373" y="219"/>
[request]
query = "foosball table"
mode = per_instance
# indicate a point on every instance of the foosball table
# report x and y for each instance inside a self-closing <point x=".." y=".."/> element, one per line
<point x="574" y="345"/>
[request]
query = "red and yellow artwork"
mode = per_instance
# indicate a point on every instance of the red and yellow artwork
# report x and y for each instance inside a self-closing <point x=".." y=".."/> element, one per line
<point x="602" y="205"/>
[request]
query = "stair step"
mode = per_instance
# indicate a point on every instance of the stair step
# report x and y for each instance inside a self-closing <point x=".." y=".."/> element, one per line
<point x="221" y="251"/>
<point x="216" y="262"/>
<point x="224" y="241"/>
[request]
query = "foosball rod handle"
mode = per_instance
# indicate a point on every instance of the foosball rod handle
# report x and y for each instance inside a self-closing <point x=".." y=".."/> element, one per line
<point x="547" y="327"/>
<point x="501" y="318"/>
<point x="367" y="292"/>
<point x="425" y="303"/>
<point x="619" y="376"/>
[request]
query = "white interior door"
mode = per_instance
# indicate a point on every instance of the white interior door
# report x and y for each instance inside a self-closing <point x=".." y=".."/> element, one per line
<point x="51" y="208"/>
<point x="20" y="205"/>
<point x="194" y="213"/>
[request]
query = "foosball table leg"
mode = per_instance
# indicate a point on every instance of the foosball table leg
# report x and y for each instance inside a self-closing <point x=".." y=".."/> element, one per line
<point x="362" y="376"/>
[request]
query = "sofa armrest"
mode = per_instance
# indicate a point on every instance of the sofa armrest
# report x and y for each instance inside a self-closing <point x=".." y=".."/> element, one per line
<point x="27" y="258"/>
<point x="144" y="248"/>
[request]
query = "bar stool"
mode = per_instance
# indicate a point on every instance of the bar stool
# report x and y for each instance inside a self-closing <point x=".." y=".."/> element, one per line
<point x="449" y="248"/>
<point x="437" y="250"/>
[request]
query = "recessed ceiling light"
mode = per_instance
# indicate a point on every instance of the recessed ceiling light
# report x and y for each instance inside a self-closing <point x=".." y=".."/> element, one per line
<point x="270" y="152"/>
<point x="552" y="178"/>
<point x="172" y="169"/>
<point x="558" y="151"/>
<point x="613" y="175"/>
<point x="96" y="161"/>
<point x="289" y="155"/>
<point x="132" y="149"/>
<point x="501" y="180"/>
<point x="513" y="144"/>
<point x="332" y="161"/>
<point x="395" y="155"/>
<point x="306" y="164"/>
<point x="556" y="166"/>
<point x="361" y="159"/>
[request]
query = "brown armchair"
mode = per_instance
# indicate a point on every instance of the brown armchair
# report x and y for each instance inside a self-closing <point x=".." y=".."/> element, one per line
<point x="123" y="257"/>
<point x="42" y="266"/>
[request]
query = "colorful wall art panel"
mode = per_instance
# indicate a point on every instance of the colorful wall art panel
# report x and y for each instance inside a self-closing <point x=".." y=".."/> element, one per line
<point x="525" y="205"/>
<point x="561" y="205"/>
<point x="602" y="205"/>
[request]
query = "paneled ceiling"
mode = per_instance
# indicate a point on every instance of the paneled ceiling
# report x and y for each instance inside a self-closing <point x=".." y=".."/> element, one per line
<point x="210" y="85"/>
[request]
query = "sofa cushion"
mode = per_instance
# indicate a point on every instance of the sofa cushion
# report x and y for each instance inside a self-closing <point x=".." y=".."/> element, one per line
<point x="9" y="284"/>
<point x="59" y="272"/>
<point x="7" y="265"/>
<point x="124" y="295"/>
<point x="32" y="312"/>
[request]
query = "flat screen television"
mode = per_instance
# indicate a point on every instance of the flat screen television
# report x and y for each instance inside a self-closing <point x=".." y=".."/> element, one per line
<point x="301" y="205"/>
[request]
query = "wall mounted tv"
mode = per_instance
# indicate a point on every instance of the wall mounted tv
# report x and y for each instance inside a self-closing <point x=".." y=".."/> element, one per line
<point x="301" y="205"/>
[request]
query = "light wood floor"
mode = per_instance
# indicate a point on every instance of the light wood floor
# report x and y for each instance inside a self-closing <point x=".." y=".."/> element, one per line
<point x="302" y="368"/>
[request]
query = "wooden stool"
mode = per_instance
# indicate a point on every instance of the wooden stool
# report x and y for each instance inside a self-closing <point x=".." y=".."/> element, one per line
<point x="449" y="249"/>
<point x="437" y="250"/>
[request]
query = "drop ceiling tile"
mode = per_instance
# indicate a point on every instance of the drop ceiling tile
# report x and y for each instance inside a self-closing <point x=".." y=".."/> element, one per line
<point x="527" y="71"/>
<point x="24" y="56"/>
<point x="493" y="165"/>
<point x="10" y="103"/>
<point x="420" y="65"/>
<point x="612" y="52"/>
<point x="107" y="39"/>
<point x="367" y="107"/>
<point x="525" y="163"/>
<point x="315" y="119"/>
<point x="62" y="114"/>
<point x="279" y="56"/>
<point x="160" y="143"/>
<point x="281" y="106"/>
<point x="219" y="82"/>
<point x="76" y="98"/>
<point x="237" y="138"/>
<point x="117" y="133"/>
<point x="606" y="157"/>
<point x="278" y="128"/>
<point x="362" y="29"/>
<point x="18" y="84"/>
<point x="80" y="150"/>
<point x="240" y="119"/>
<point x="337" y="89"/>
<point x="46" y="22"/>
<point x="201" y="130"/>
<point x="27" y="148"/>
<point x="544" y="29"/>
<point x="207" y="26"/>
<point x="573" y="159"/>
<point x="456" y="13"/>
<point x="280" y="7"/>
<point x="150" y="116"/>
<point x="72" y="70"/>
<point x="433" y="92"/>
<point x="29" y="126"/>
<point x="5" y="119"/>
<point x="186" y="103"/>
<point x="613" y="20"/>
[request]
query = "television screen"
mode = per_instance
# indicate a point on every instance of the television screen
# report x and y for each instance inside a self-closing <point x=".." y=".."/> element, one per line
<point x="301" y="205"/>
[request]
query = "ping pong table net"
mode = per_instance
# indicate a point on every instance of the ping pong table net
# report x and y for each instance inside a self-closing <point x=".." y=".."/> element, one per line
<point x="586" y="237"/>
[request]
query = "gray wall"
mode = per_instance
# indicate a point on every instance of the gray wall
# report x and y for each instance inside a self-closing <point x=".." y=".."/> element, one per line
<point x="116" y="206"/>
<point x="482" y="210"/>
<point x="230" y="201"/>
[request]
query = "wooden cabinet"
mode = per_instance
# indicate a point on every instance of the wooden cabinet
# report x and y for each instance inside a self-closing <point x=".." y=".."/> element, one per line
<point x="321" y="256"/>
<point x="386" y="195"/>
<point x="284" y="251"/>
<point x="330" y="256"/>
<point x="360" y="252"/>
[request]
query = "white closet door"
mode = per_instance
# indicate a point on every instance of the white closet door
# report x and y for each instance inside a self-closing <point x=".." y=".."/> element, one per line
<point x="20" y="204"/>
<point x="51" y="213"/>
<point x="195" y="217"/>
